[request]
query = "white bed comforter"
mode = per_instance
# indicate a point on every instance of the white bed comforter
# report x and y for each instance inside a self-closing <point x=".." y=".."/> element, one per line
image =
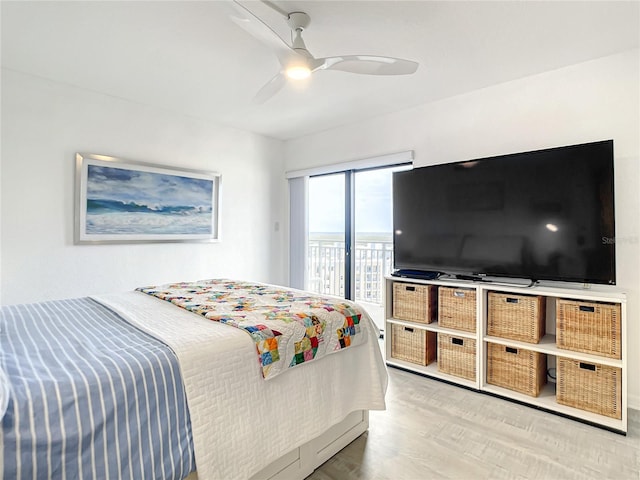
<point x="240" y="422"/>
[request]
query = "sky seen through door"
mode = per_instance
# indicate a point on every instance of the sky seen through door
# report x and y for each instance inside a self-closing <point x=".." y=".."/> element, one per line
<point x="373" y="207"/>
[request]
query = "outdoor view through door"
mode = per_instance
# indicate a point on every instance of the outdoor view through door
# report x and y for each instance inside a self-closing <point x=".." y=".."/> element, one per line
<point x="350" y="247"/>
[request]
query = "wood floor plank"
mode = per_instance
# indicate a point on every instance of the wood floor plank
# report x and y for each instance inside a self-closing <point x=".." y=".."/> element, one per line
<point x="433" y="430"/>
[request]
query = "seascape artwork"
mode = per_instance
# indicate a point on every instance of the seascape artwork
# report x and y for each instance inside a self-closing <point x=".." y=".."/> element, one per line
<point x="121" y="201"/>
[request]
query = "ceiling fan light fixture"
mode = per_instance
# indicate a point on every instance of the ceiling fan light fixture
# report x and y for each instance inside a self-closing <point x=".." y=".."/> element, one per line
<point x="297" y="63"/>
<point x="298" y="72"/>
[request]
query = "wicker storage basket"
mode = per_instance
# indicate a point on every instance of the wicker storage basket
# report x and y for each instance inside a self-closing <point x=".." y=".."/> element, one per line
<point x="516" y="369"/>
<point x="589" y="327"/>
<point x="517" y="317"/>
<point x="413" y="344"/>
<point x="590" y="386"/>
<point x="416" y="303"/>
<point x="457" y="308"/>
<point x="457" y="356"/>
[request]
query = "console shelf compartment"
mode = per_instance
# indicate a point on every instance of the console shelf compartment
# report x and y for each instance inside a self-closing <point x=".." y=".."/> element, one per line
<point x="432" y="371"/>
<point x="432" y="327"/>
<point x="548" y="345"/>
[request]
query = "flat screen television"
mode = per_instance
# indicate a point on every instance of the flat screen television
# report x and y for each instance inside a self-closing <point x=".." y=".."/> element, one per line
<point x="541" y="215"/>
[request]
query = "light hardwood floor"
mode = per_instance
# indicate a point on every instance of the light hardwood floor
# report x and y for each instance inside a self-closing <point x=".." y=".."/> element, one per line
<point x="433" y="430"/>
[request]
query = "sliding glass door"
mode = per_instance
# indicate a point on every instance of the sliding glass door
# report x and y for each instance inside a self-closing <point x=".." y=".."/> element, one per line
<point x="350" y="241"/>
<point x="372" y="236"/>
<point x="326" y="267"/>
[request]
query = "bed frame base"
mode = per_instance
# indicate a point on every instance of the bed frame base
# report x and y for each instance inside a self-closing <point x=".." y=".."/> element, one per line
<point x="300" y="462"/>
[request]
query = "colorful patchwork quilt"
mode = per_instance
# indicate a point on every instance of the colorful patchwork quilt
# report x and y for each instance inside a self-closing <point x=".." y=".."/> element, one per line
<point x="289" y="327"/>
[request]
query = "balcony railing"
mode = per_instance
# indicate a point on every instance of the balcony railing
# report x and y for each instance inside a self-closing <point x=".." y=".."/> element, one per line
<point x="326" y="269"/>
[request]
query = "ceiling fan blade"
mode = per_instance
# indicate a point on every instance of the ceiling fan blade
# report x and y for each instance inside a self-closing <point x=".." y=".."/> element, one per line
<point x="272" y="87"/>
<point x="243" y="17"/>
<point x="369" y="65"/>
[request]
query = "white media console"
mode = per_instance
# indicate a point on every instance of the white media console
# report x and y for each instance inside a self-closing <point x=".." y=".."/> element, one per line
<point x="588" y="364"/>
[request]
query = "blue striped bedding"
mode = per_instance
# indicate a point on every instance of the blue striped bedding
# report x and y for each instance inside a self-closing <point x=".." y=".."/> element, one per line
<point x="91" y="396"/>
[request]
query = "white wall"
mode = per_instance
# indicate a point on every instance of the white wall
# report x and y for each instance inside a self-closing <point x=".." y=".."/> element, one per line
<point x="45" y="123"/>
<point x="595" y="100"/>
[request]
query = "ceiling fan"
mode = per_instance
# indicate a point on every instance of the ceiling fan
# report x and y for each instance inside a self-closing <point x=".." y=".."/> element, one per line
<point x="297" y="62"/>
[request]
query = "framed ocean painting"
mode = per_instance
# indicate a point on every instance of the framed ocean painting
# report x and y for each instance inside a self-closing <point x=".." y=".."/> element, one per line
<point x="122" y="201"/>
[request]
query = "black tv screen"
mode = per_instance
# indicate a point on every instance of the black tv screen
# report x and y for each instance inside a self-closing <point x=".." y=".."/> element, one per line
<point x="542" y="215"/>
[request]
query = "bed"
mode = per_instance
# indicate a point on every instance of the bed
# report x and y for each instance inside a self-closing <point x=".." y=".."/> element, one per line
<point x="182" y="381"/>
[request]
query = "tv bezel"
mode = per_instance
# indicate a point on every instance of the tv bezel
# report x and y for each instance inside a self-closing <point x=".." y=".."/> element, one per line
<point x="412" y="271"/>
